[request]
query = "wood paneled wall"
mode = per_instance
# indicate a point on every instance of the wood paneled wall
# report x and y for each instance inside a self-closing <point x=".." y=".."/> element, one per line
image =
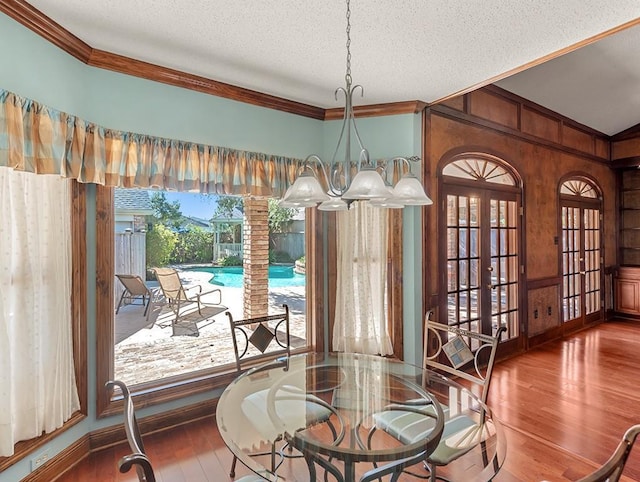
<point x="543" y="147"/>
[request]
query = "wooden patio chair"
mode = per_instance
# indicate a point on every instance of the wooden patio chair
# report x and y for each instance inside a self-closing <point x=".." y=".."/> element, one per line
<point x="180" y="297"/>
<point x="134" y="289"/>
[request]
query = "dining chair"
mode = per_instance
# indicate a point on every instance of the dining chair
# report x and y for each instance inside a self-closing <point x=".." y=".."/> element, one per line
<point x="612" y="469"/>
<point x="460" y="354"/>
<point x="267" y="338"/>
<point x="138" y="455"/>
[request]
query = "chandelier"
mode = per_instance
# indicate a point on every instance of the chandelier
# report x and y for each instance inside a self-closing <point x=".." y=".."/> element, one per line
<point x="348" y="180"/>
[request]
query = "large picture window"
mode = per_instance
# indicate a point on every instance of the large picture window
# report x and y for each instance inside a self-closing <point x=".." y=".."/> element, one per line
<point x="212" y="241"/>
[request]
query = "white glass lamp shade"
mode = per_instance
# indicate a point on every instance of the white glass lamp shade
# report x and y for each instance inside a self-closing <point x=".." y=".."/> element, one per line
<point x="367" y="184"/>
<point x="390" y="203"/>
<point x="410" y="192"/>
<point x="333" y="204"/>
<point x="306" y="191"/>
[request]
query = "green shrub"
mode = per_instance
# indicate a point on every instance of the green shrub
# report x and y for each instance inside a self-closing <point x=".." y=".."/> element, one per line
<point x="230" y="261"/>
<point x="300" y="261"/>
<point x="160" y="244"/>
<point x="279" y="257"/>
<point x="194" y="245"/>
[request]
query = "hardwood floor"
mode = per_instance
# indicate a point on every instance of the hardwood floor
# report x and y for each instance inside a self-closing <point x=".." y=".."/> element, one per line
<point x="564" y="405"/>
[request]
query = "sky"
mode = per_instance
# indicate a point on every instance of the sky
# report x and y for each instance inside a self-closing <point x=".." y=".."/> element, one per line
<point x="194" y="205"/>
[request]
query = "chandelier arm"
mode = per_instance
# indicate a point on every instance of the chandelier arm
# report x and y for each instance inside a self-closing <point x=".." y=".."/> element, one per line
<point x="316" y="159"/>
<point x="352" y="115"/>
<point x="336" y="190"/>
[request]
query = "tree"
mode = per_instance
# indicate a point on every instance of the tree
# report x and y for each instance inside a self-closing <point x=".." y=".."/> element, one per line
<point x="224" y="209"/>
<point x="226" y="205"/>
<point x="165" y="212"/>
<point x="279" y="218"/>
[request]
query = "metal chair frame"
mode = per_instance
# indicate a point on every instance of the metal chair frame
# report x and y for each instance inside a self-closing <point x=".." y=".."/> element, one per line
<point x="434" y="358"/>
<point x="270" y="335"/>
<point x="138" y="456"/>
<point x="612" y="469"/>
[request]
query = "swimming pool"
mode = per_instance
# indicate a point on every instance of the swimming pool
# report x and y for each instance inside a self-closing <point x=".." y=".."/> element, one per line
<point x="232" y="276"/>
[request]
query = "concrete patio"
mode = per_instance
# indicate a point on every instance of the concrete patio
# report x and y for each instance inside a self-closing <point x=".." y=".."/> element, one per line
<point x="148" y="350"/>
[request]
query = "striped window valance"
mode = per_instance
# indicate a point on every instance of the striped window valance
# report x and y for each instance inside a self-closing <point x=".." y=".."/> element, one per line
<point x="38" y="139"/>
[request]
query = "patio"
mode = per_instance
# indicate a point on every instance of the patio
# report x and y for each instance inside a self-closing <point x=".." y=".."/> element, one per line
<point x="147" y="350"/>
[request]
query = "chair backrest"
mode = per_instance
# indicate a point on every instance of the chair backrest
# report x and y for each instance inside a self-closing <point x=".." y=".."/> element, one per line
<point x="612" y="468"/>
<point x="170" y="283"/>
<point x="133" y="284"/>
<point x="264" y="333"/>
<point x="138" y="456"/>
<point x="453" y="350"/>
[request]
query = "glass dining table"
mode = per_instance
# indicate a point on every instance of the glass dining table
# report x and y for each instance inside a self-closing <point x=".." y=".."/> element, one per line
<point x="327" y="408"/>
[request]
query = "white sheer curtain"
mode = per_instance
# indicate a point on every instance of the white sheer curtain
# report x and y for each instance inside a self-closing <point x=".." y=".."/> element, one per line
<point x="361" y="317"/>
<point x="37" y="381"/>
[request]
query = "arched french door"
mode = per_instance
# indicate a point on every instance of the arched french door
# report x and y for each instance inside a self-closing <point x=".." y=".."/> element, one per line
<point x="581" y="252"/>
<point x="481" y="256"/>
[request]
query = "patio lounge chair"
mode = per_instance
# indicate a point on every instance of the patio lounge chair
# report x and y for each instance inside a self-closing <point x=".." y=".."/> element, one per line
<point x="134" y="288"/>
<point x="179" y="298"/>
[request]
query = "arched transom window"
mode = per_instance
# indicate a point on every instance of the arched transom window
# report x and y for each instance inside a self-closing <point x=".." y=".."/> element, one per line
<point x="579" y="187"/>
<point x="479" y="170"/>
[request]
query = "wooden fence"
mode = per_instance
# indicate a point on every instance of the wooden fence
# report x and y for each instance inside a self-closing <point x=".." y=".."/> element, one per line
<point x="130" y="257"/>
<point x="292" y="243"/>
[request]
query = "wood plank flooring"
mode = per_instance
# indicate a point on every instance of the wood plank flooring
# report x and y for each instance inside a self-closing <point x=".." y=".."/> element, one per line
<point x="565" y="406"/>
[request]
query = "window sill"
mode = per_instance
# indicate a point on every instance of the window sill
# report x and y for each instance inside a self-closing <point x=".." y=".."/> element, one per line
<point x="178" y="387"/>
<point x="26" y="447"/>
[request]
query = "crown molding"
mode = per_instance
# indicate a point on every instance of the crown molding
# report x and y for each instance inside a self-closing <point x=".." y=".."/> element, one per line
<point x="36" y="21"/>
<point x="377" y="110"/>
<point x="630" y="133"/>
<point x="126" y="65"/>
<point x="39" y="23"/>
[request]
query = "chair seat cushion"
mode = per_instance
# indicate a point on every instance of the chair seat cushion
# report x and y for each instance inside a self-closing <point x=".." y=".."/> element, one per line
<point x="408" y="427"/>
<point x="293" y="414"/>
<point x="250" y="478"/>
<point x="460" y="433"/>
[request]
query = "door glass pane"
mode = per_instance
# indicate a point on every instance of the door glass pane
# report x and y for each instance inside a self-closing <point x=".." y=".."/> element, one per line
<point x="592" y="266"/>
<point x="571" y="260"/>
<point x="504" y="263"/>
<point x="463" y="261"/>
<point x="581" y="258"/>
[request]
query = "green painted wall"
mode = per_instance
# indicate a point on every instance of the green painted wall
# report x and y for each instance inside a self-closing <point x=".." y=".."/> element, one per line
<point x="33" y="68"/>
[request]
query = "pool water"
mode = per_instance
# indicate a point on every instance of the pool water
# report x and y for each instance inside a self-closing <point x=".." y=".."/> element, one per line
<point x="232" y="276"/>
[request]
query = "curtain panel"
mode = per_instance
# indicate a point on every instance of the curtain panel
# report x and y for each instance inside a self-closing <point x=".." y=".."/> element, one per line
<point x="36" y="342"/>
<point x="35" y="138"/>
<point x="361" y="310"/>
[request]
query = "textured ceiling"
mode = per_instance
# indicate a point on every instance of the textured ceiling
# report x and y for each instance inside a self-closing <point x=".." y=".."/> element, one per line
<point x="401" y="50"/>
<point x="599" y="84"/>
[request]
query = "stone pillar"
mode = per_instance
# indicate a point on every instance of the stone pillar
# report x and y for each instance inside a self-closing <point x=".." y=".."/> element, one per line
<point x="256" y="257"/>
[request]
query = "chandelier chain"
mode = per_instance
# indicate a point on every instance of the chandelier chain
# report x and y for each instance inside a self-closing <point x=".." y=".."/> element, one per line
<point x="348" y="74"/>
